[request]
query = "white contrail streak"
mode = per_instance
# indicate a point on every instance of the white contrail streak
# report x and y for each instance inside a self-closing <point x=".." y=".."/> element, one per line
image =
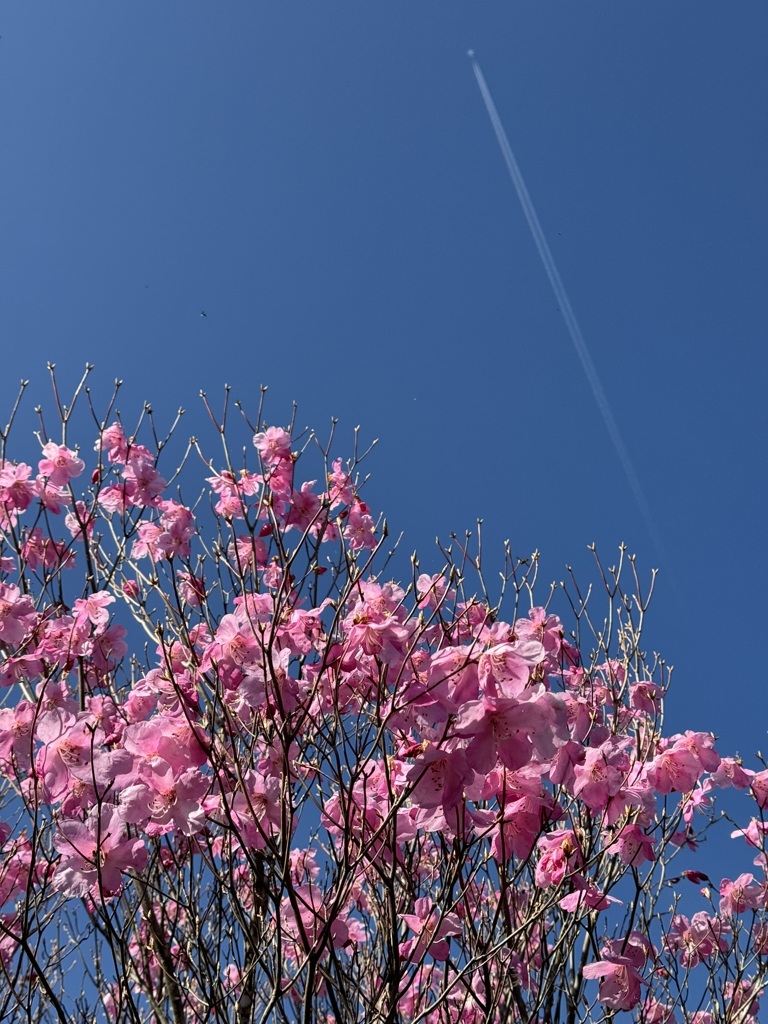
<point x="565" y="308"/>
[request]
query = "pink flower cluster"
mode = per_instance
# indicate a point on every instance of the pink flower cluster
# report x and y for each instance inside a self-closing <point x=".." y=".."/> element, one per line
<point x="368" y="770"/>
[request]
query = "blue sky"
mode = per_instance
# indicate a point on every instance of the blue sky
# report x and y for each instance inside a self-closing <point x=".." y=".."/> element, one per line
<point x="323" y="181"/>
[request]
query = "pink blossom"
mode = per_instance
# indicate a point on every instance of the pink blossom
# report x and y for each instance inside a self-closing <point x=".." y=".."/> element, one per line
<point x="68" y="741"/>
<point x="273" y="445"/>
<point x="432" y="590"/>
<point x="359" y="531"/>
<point x="247" y="553"/>
<point x="20" y="668"/>
<point x="547" y="629"/>
<point x="107" y="716"/>
<point x="147" y="542"/>
<point x="439" y="777"/>
<point x="304" y="630"/>
<point x="740" y="895"/>
<point x="452" y="678"/>
<point x="279" y="481"/>
<point x="95" y="854"/>
<point x="619" y="982"/>
<point x="254" y="810"/>
<point x="107" y="648"/>
<point x="11" y="927"/>
<point x="505" y="669"/>
<point x="18" y="868"/>
<point x="17" y="615"/>
<point x="139" y="704"/>
<point x="255" y="609"/>
<point x="563" y="769"/>
<point x="385" y="640"/>
<point x="39" y="550"/>
<point x="16" y="726"/>
<point x="60" y="464"/>
<point x="304" y="866"/>
<point x="432" y="931"/>
<point x="318" y="922"/>
<point x="234" y="641"/>
<point x="702" y="746"/>
<point x="544" y="627"/>
<point x="633" y="793"/>
<point x="273" y="575"/>
<point x="112" y="440"/>
<point x="90" y="779"/>
<point x="232" y="978"/>
<point x="760" y="940"/>
<point x="231" y="502"/>
<point x="16" y="489"/>
<point x="742" y="996"/>
<point x="676" y="769"/>
<point x="94" y="609"/>
<point x="646" y="697"/>
<point x="339" y="486"/>
<point x="697" y="939"/>
<point x="560" y="855"/>
<point x="684" y="837"/>
<point x="178" y="529"/>
<point x="113" y="499"/>
<point x="596" y="779"/>
<point x="584" y="720"/>
<point x="165" y="741"/>
<point x="81" y="520"/>
<point x="305" y="507"/>
<point x="754" y="833"/>
<point x="504" y="729"/>
<point x="760" y="789"/>
<point x="164" y="801"/>
<point x="144" y="485"/>
<point x="191" y="589"/>
<point x="633" y="846"/>
<point x="54" y="695"/>
<point x="52" y="497"/>
<point x="618" y="972"/>
<point x="655" y="1012"/>
<point x="731" y="772"/>
<point x="517" y="831"/>
<point x="585" y="894"/>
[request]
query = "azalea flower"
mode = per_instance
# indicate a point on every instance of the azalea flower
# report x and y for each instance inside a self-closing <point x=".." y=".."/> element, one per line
<point x="95" y="854"/>
<point x="59" y="464"/>
<point x="618" y="972"/>
<point x="432" y="932"/>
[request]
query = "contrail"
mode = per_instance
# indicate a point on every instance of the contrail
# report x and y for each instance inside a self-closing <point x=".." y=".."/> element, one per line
<point x="568" y="315"/>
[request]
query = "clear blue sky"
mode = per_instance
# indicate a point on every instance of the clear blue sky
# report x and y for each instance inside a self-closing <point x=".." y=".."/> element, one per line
<point x="321" y="178"/>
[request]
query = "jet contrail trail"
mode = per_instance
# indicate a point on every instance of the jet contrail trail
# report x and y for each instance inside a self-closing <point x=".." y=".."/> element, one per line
<point x="568" y="315"/>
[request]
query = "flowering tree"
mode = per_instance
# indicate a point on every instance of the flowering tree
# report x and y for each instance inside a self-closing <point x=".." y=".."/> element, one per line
<point x="244" y="776"/>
